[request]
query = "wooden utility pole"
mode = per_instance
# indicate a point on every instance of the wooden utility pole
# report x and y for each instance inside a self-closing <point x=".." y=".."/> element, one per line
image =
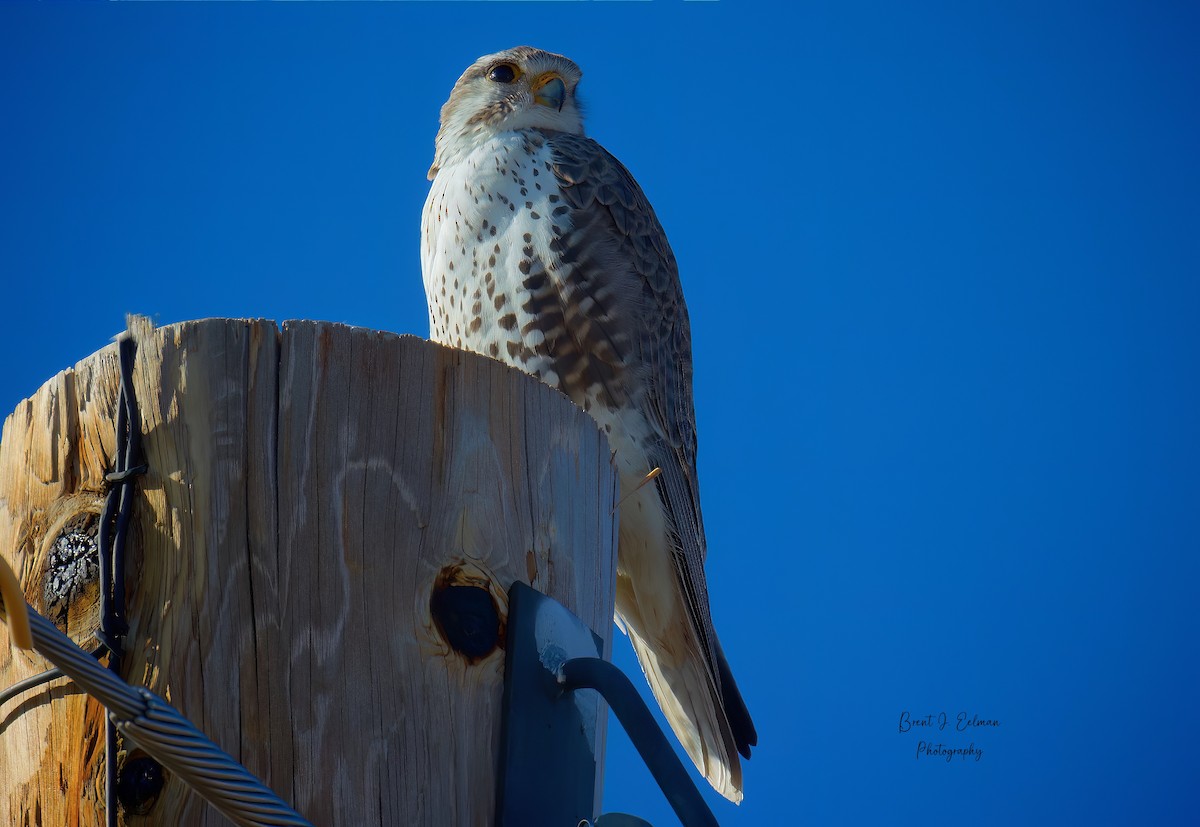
<point x="318" y="565"/>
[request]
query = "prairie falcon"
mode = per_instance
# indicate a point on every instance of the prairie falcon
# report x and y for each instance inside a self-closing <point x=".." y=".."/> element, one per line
<point x="539" y="249"/>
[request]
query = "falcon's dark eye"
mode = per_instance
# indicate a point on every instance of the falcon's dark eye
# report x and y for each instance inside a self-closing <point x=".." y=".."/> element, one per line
<point x="503" y="73"/>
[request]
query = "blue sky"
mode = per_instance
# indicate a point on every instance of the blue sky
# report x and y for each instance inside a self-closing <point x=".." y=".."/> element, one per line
<point x="943" y="267"/>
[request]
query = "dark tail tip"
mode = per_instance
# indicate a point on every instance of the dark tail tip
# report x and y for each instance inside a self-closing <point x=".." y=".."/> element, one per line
<point x="744" y="733"/>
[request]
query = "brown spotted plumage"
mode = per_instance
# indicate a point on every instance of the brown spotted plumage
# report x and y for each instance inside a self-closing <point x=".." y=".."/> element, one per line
<point x="570" y="278"/>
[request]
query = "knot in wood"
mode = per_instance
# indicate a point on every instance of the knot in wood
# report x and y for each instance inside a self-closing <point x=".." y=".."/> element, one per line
<point x="466" y="614"/>
<point x="139" y="783"/>
<point x="73" y="562"/>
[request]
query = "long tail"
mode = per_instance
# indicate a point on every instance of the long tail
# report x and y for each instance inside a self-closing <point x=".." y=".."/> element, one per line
<point x="711" y="722"/>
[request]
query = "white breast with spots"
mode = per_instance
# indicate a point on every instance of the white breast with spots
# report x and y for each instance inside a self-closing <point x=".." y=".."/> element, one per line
<point x="482" y="216"/>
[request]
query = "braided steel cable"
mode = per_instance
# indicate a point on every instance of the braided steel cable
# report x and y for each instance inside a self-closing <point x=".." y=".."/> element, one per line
<point x="166" y="735"/>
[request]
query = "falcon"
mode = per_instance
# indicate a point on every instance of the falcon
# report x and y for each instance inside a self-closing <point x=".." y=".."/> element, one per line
<point x="539" y="249"/>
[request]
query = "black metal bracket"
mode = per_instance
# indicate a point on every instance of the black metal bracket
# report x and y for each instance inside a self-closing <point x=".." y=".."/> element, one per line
<point x="548" y="771"/>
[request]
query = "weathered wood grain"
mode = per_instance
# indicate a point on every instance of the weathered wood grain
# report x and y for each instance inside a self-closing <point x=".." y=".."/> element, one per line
<point x="309" y="490"/>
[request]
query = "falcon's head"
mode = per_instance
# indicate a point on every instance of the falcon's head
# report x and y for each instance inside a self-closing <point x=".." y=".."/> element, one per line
<point x="521" y="88"/>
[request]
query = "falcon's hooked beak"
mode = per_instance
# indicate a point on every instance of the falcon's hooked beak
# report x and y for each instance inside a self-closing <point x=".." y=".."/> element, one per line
<point x="549" y="90"/>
